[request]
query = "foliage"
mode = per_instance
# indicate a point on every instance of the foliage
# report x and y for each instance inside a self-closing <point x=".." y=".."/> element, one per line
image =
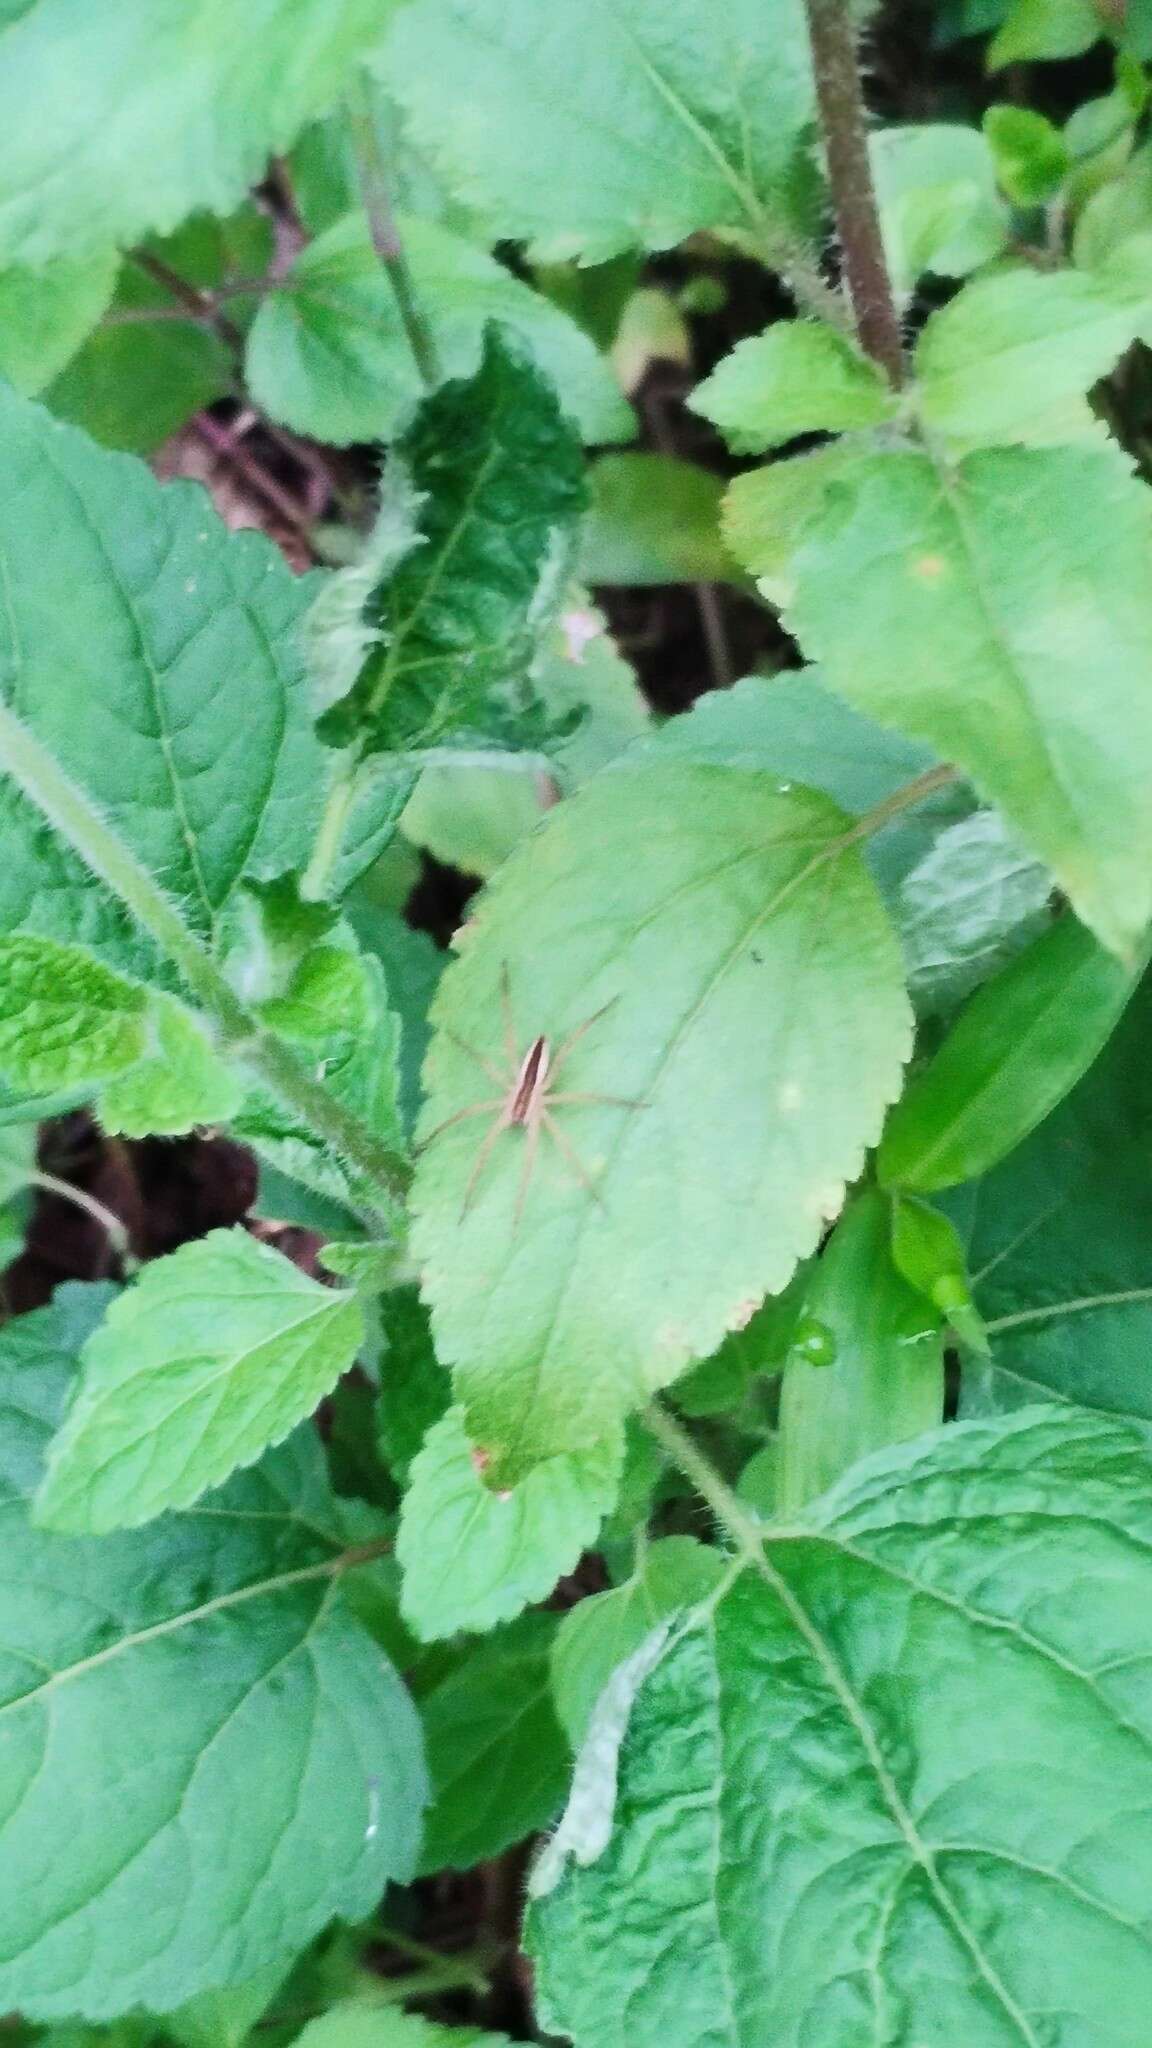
<point x="683" y="1381"/>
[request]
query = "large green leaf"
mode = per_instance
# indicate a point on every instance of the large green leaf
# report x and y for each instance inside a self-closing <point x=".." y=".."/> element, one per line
<point x="617" y="124"/>
<point x="968" y="607"/>
<point x="1060" y="1246"/>
<point x="154" y="654"/>
<point x="218" y="1351"/>
<point x="971" y="903"/>
<point x="470" y="1557"/>
<point x="206" y="1758"/>
<point x="328" y="352"/>
<point x="937" y="1828"/>
<point x="496" y="1753"/>
<point x="653" y="1222"/>
<point x="180" y="108"/>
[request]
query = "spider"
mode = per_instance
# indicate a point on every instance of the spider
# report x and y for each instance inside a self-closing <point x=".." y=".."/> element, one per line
<point x="527" y="1098"/>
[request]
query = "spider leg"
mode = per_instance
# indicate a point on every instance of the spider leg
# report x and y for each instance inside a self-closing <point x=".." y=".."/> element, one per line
<point x="616" y="1101"/>
<point x="498" y="1080"/>
<point x="570" y="1043"/>
<point x="531" y="1147"/>
<point x="482" y="1157"/>
<point x="574" y="1163"/>
<point x="475" y="1109"/>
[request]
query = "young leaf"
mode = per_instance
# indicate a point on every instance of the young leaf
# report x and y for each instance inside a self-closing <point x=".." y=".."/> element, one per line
<point x="928" y="1253"/>
<point x="496" y="1754"/>
<point x="496" y="476"/>
<point x="709" y="119"/>
<point x="218" y="1351"/>
<point x="168" y="686"/>
<point x="224" y="2018"/>
<point x="1059" y="1240"/>
<point x="328" y="354"/>
<point x="760" y="898"/>
<point x="966" y="908"/>
<point x="866" y="1368"/>
<point x="1016" y="1049"/>
<point x="968" y="607"/>
<point x="768" y="512"/>
<point x="1045" y="28"/>
<point x="1031" y="155"/>
<point x="46" y="313"/>
<point x="596" y="1635"/>
<point x="66" y="1020"/>
<point x="199" y="1681"/>
<point x="178" y="111"/>
<point x="181" y="1081"/>
<point x="972" y="1852"/>
<point x="797" y="378"/>
<point x="1010" y="350"/>
<point x="940" y="211"/>
<point x="471" y="1558"/>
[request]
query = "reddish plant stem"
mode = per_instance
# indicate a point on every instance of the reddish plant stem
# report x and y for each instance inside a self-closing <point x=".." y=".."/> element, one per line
<point x="843" y="121"/>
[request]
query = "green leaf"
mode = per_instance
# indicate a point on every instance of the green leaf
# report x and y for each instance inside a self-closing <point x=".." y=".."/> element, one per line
<point x="960" y="1851"/>
<point x="66" y="1020"/>
<point x="181" y="1082"/>
<point x="927" y="1251"/>
<point x="224" y="2018"/>
<point x="940" y="211"/>
<point x="46" y="313"/>
<point x="653" y="519"/>
<point x="328" y="353"/>
<point x="367" y="2025"/>
<point x="866" y="1367"/>
<point x="596" y="1635"/>
<point x="760" y="898"/>
<point x="1009" y="351"/>
<point x="626" y="125"/>
<point x="168" y="686"/>
<point x="495" y="478"/>
<point x="1059" y="1239"/>
<point x="217" y="1351"/>
<point x="797" y="378"/>
<point x="415" y="1390"/>
<point x="1016" y="1049"/>
<point x="163" y="1686"/>
<point x="1031" y="154"/>
<point x="496" y="1753"/>
<point x="17" y="1158"/>
<point x="1045" y="29"/>
<point x="470" y="1557"/>
<point x="972" y="903"/>
<point x="967" y="607"/>
<point x="178" y="111"/>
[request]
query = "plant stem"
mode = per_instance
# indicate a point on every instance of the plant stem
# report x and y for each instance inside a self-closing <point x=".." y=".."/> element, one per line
<point x="317" y="876"/>
<point x="729" y="1511"/>
<point x="71" y="813"/>
<point x="843" y="121"/>
<point x="902" y="799"/>
<point x="386" y="240"/>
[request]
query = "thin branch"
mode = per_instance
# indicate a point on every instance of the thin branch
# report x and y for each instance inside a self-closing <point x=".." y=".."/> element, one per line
<point x="112" y="1226"/>
<point x="386" y="240"/>
<point x="843" y="121"/>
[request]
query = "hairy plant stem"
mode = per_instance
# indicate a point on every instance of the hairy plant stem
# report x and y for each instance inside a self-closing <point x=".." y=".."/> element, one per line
<point x="843" y="122"/>
<point x="316" y="881"/>
<point x="386" y="240"/>
<point x="744" y="1532"/>
<point x="71" y="813"/>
